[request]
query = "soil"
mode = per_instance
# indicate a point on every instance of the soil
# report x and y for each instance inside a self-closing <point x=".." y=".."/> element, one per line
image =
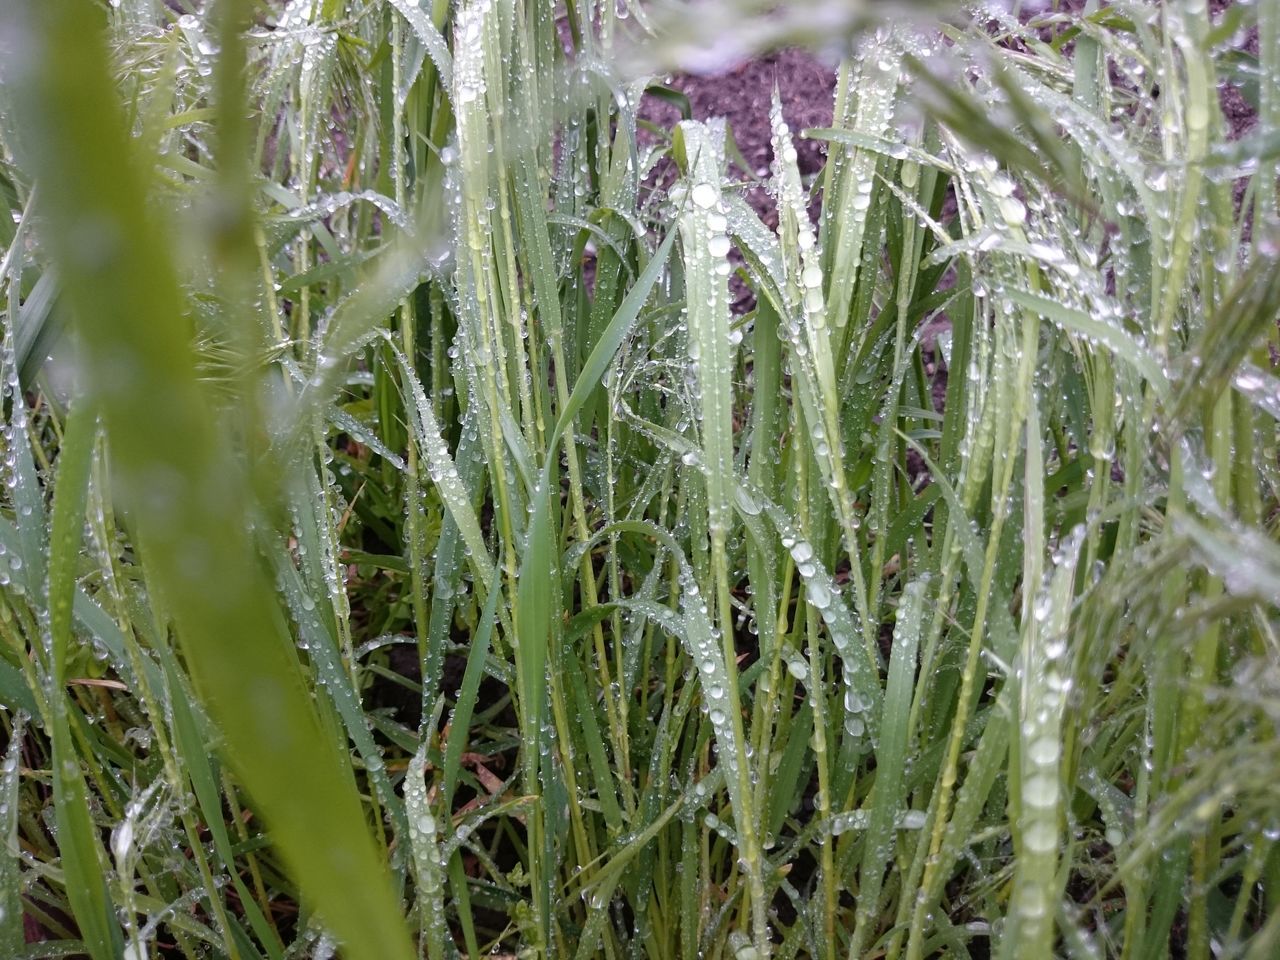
<point x="743" y="94"/>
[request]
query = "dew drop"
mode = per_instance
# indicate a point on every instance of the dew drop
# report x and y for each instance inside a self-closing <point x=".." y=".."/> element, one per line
<point x="705" y="195"/>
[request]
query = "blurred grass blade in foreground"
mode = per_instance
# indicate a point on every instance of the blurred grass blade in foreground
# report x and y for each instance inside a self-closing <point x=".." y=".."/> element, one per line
<point x="184" y="488"/>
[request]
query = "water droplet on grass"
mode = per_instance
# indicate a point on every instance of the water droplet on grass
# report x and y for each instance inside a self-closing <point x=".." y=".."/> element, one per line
<point x="913" y="820"/>
<point x="1040" y="791"/>
<point x="705" y="195"/>
<point x="1040" y="838"/>
<point x="1044" y="751"/>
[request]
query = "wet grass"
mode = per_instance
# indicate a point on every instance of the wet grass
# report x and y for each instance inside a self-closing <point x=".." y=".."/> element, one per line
<point x="407" y="551"/>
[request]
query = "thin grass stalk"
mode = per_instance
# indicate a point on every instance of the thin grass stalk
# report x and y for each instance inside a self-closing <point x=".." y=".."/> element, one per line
<point x="886" y="800"/>
<point x="414" y="519"/>
<point x="1202" y="669"/>
<point x="1042" y="700"/>
<point x="868" y="87"/>
<point x="813" y="359"/>
<point x="706" y="246"/>
<point x="1266" y="203"/>
<point x="1186" y="111"/>
<point x="830" y="880"/>
<point x="12" y="936"/>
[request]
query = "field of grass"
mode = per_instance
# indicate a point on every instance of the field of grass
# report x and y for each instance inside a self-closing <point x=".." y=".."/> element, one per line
<point x="408" y="550"/>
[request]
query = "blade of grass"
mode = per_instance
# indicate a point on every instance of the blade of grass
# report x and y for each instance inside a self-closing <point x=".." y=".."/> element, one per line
<point x="12" y="936"/>
<point x="83" y="859"/>
<point x="887" y="800"/>
<point x="705" y="247"/>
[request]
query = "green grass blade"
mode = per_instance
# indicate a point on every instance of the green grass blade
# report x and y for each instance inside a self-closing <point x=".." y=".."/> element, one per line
<point x="705" y="246"/>
<point x="84" y="864"/>
<point x="1110" y="335"/>
<point x="83" y="859"/>
<point x="460" y="722"/>
<point x="11" y="933"/>
<point x="891" y="757"/>
<point x="611" y="338"/>
<point x="425" y="846"/>
<point x="67" y="528"/>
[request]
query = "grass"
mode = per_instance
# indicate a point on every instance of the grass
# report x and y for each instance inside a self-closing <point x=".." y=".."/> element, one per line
<point x="408" y="550"/>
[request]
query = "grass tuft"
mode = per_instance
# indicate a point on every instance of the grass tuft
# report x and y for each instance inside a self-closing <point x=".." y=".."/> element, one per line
<point x="446" y="514"/>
